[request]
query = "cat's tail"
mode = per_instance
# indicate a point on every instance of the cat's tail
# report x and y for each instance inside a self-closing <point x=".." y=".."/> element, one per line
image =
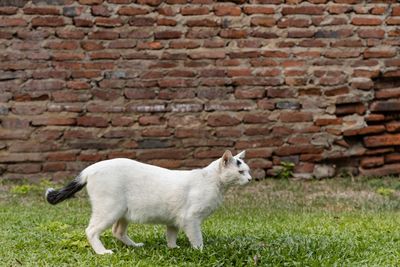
<point x="54" y="196"/>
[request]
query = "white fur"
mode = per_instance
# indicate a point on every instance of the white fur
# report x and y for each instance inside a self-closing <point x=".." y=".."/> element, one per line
<point x="124" y="190"/>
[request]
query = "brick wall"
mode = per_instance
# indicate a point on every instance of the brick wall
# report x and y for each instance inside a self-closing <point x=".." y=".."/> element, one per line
<point x="175" y="83"/>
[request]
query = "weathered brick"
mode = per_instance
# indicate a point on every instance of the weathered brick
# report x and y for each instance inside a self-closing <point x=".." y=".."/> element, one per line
<point x="12" y="22"/>
<point x="91" y="2"/>
<point x="384" y="106"/>
<point x="104" y="35"/>
<point x="132" y="11"/>
<point x="164" y="154"/>
<point x="382" y="140"/>
<point x="8" y="10"/>
<point x="295" y="116"/>
<point x="376" y="129"/>
<point x="393" y="126"/>
<point x="92" y="121"/>
<point x="217" y="120"/>
<point x="233" y="33"/>
<point x="298" y="149"/>
<point x="252" y="9"/>
<point x="21" y="157"/>
<point x="227" y="10"/>
<point x="48" y="21"/>
<point x="41" y="11"/>
<point x="371" y="33"/>
<point x="53" y="120"/>
<point x="262" y="21"/>
<point x="380" y="52"/>
<point x="387" y="169"/>
<point x="392" y="158"/>
<point x="193" y="11"/>
<point x="366" y="21"/>
<point x="307" y="10"/>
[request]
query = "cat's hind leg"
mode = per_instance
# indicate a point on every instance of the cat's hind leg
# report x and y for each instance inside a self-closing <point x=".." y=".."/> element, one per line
<point x="120" y="229"/>
<point x="93" y="231"/>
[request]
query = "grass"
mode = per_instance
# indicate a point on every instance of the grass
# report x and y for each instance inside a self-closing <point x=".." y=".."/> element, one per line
<point x="335" y="222"/>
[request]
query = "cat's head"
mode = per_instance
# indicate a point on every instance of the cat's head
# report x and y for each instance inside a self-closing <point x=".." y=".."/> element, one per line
<point x="233" y="170"/>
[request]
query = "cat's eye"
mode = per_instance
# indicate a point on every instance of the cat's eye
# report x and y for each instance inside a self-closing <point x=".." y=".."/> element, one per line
<point x="241" y="172"/>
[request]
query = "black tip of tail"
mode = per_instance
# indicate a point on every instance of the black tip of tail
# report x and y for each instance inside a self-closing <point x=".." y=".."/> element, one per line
<point x="56" y="196"/>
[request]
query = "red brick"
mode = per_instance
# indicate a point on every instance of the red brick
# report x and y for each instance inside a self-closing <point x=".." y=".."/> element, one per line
<point x="53" y="166"/>
<point x="193" y="11"/>
<point x="24" y="168"/>
<point x="150" y="2"/>
<point x="366" y="21"/>
<point x="387" y="169"/>
<point x="82" y="22"/>
<point x="41" y="11"/>
<point x="104" y="35"/>
<point x="249" y="10"/>
<point x="47" y="21"/>
<point x="132" y="11"/>
<point x="167" y="35"/>
<point x="307" y="10"/>
<point x="12" y="22"/>
<point x="344" y="109"/>
<point x="108" y="22"/>
<point x="142" y="21"/>
<point x="396" y="11"/>
<point x="294" y="22"/>
<point x="100" y="10"/>
<point x="262" y="21"/>
<point x="171" y="153"/>
<point x="227" y="10"/>
<point x="328" y="121"/>
<point x="380" y="53"/>
<point x="62" y="156"/>
<point x="371" y="33"/>
<point x="233" y="33"/>
<point x="53" y="120"/>
<point x="90" y="2"/>
<point x="212" y="54"/>
<point x="216" y="120"/>
<point x="295" y="116"/>
<point x="260" y="143"/>
<point x="249" y="93"/>
<point x="92" y="121"/>
<point x="298" y="149"/>
<point x="393" y="126"/>
<point x="382" y="140"/>
<point x="383" y="106"/>
<point x="156" y="132"/>
<point x="166" y="11"/>
<point x="375" y="129"/>
<point x="63" y="56"/>
<point x="8" y="10"/>
<point x="70" y="34"/>
<point x="393" y="157"/>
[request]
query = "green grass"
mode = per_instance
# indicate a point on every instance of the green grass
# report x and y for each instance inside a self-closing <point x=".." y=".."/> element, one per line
<point x="335" y="222"/>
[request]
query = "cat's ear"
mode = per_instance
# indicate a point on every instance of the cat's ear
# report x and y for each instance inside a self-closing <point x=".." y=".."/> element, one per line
<point x="226" y="158"/>
<point x="241" y="155"/>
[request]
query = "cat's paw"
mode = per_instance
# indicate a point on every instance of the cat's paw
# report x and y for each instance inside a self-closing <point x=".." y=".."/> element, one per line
<point x="173" y="246"/>
<point x="138" y="245"/>
<point x="107" y="251"/>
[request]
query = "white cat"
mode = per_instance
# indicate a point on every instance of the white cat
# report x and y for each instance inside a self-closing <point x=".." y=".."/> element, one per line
<point x="124" y="190"/>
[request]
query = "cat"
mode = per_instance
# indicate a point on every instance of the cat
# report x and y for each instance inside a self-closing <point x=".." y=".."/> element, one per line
<point x="123" y="190"/>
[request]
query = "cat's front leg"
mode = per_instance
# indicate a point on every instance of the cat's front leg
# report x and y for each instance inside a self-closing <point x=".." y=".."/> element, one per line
<point x="172" y="233"/>
<point x="192" y="230"/>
